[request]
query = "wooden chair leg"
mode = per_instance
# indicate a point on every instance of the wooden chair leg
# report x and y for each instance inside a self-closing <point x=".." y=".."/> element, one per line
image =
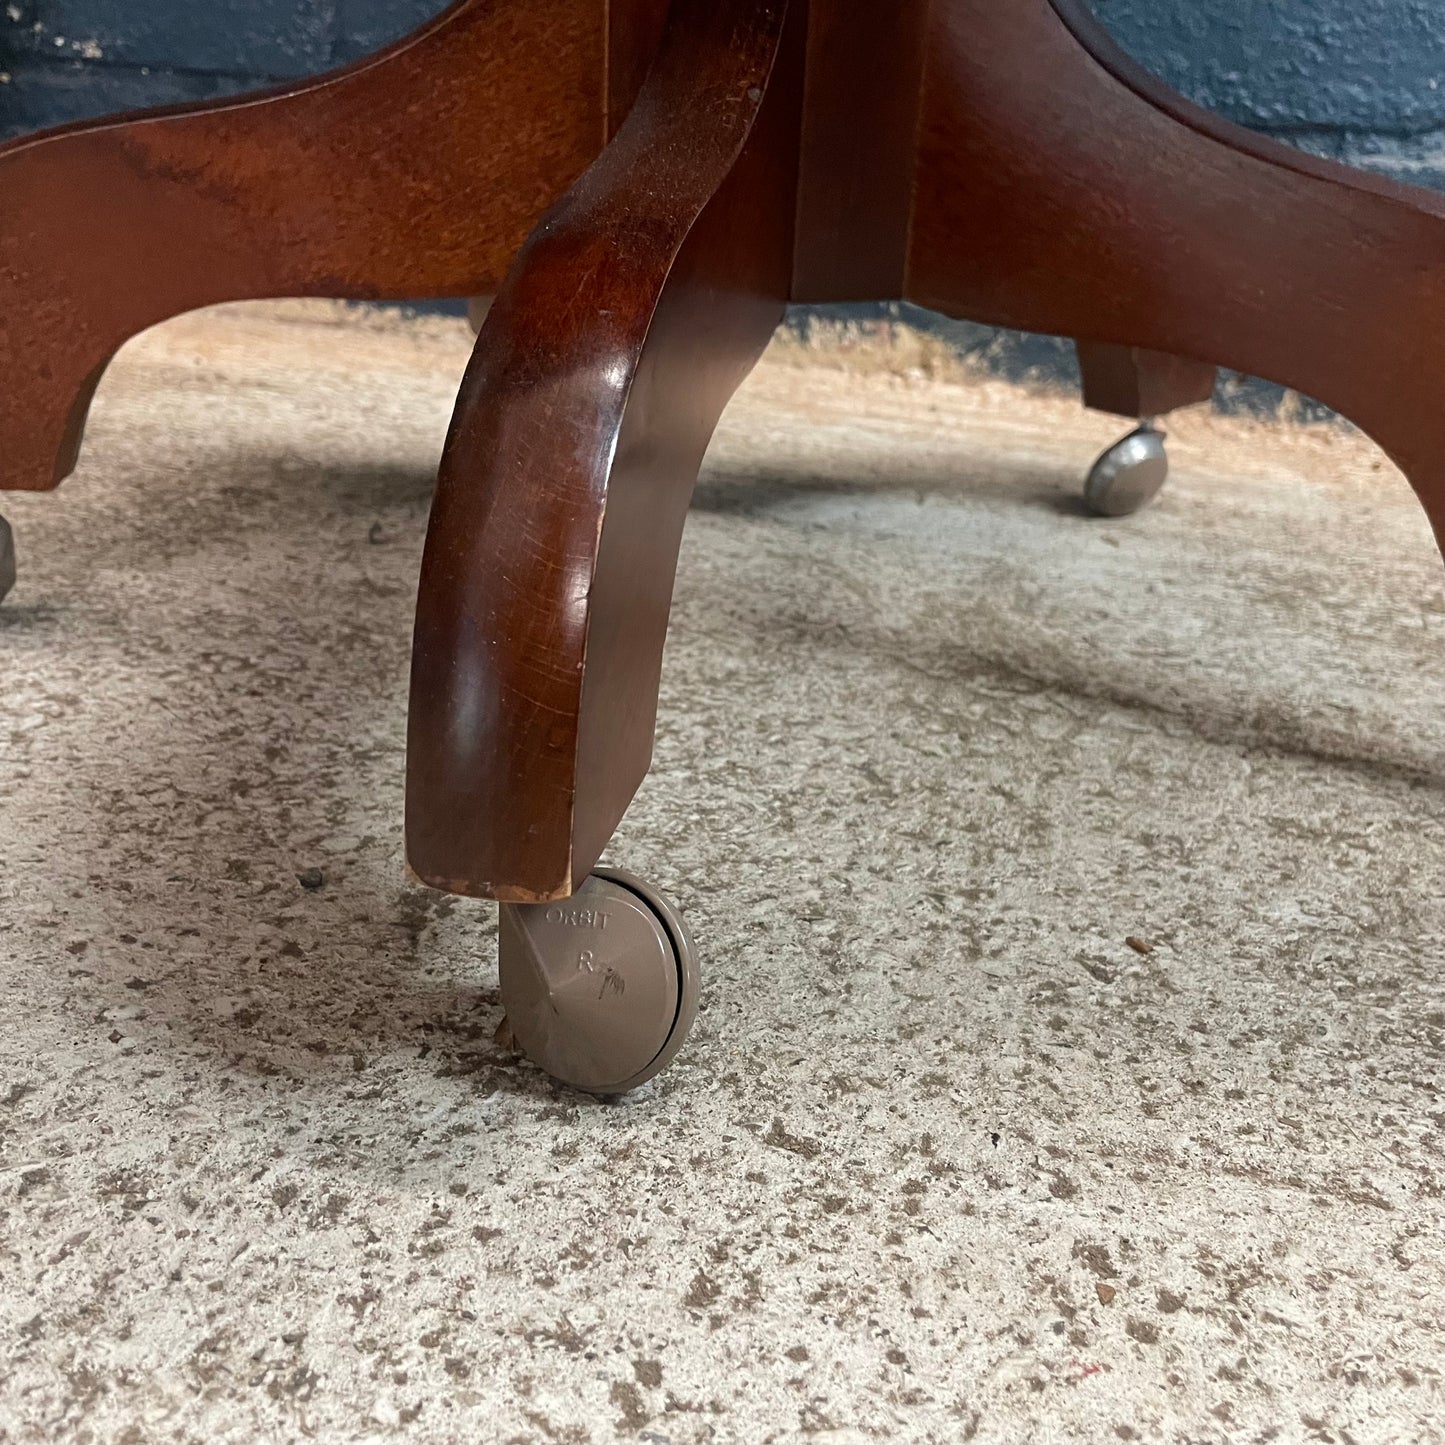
<point x="1131" y="381"/>
<point x="632" y="314"/>
<point x="1088" y="200"/>
<point x="413" y="174"/>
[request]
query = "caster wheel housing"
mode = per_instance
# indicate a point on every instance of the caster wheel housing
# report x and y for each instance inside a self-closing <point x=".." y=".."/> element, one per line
<point x="600" y="990"/>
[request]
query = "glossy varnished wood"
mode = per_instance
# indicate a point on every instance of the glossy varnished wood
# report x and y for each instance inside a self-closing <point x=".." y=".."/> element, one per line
<point x="1002" y="163"/>
<point x="415" y="174"/>
<point x="633" y="312"/>
<point x="1093" y="202"/>
<point x="860" y="121"/>
<point x="1133" y="381"/>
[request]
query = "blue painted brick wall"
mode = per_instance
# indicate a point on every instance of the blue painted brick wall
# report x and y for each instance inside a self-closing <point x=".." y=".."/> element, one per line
<point x="69" y="59"/>
<point x="1360" y="79"/>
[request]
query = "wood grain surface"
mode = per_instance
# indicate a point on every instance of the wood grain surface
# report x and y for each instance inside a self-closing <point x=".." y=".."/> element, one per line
<point x="634" y="311"/>
<point x="414" y="174"/>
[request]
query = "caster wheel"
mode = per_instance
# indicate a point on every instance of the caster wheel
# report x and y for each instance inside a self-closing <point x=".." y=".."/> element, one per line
<point x="7" y="558"/>
<point x="1129" y="475"/>
<point x="601" y="989"/>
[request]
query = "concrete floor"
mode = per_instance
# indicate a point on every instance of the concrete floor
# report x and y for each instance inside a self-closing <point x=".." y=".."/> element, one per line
<point x="946" y="1158"/>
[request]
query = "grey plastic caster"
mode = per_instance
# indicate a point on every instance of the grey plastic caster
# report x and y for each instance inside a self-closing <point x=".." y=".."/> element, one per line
<point x="1129" y="475"/>
<point x="7" y="558"/>
<point x="599" y="990"/>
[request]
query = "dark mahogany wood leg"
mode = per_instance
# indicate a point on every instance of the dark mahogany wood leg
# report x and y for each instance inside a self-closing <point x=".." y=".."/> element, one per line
<point x="1088" y="200"/>
<point x="1131" y="381"/>
<point x="416" y="173"/>
<point x="636" y="308"/>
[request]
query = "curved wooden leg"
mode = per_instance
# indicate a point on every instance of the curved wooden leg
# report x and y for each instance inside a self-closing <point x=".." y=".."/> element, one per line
<point x="1062" y="189"/>
<point x="634" y="311"/>
<point x="416" y="173"/>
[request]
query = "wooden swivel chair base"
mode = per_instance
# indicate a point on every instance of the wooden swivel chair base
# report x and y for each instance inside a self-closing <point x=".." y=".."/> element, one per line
<point x="644" y="185"/>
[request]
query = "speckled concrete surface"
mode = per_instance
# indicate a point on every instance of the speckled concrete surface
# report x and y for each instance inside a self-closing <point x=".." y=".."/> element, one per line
<point x="946" y="1158"/>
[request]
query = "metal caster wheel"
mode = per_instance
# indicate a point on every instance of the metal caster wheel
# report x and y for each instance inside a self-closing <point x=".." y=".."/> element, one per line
<point x="7" y="558"/>
<point x="602" y="989"/>
<point x="1129" y="475"/>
